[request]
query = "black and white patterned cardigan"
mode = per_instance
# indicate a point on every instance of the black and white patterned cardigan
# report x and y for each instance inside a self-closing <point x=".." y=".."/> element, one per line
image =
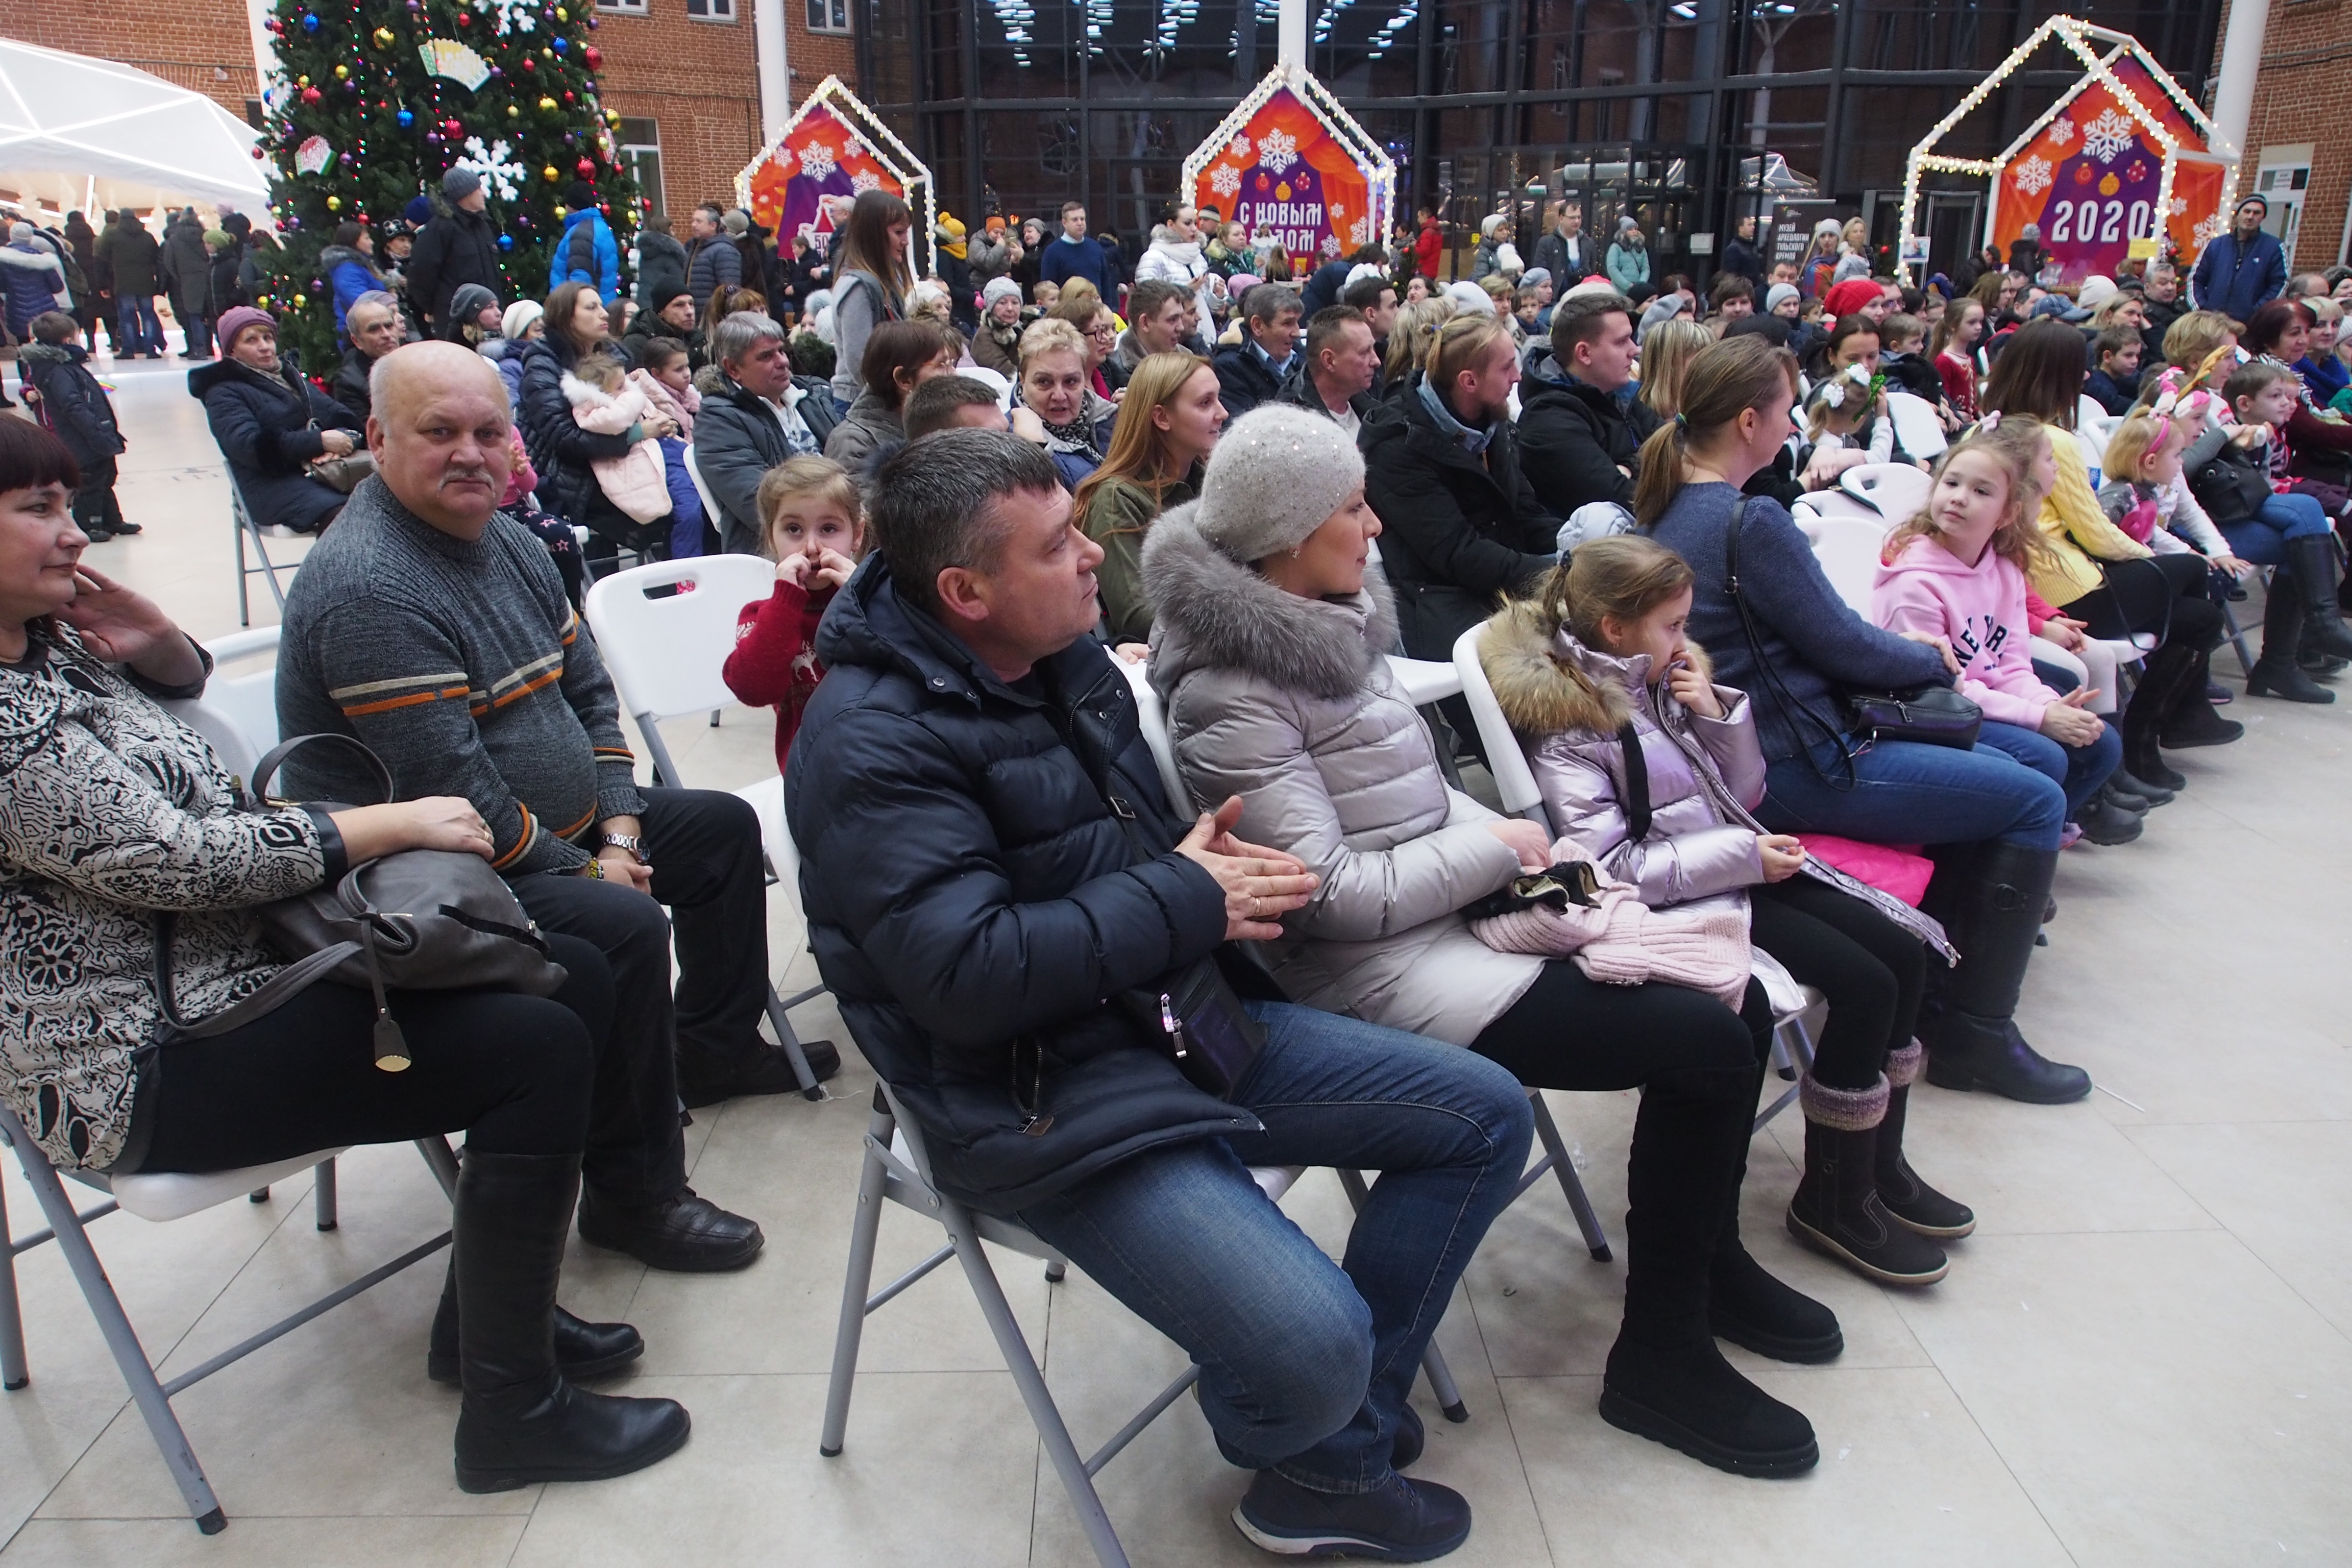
<point x="110" y="809"/>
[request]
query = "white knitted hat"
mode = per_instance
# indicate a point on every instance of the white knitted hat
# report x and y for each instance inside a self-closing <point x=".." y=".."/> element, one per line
<point x="1277" y="474"/>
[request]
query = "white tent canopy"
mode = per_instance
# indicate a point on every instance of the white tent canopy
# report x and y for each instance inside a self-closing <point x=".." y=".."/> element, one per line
<point x="76" y="131"/>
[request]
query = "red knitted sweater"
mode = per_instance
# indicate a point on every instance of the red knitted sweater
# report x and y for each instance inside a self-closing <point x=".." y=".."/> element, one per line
<point x="774" y="662"/>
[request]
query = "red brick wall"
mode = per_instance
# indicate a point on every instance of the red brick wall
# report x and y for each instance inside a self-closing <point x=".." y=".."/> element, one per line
<point x="206" y="47"/>
<point x="2305" y="95"/>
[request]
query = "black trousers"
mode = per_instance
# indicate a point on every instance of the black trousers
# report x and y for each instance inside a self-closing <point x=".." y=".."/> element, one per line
<point x="1571" y="1032"/>
<point x="93" y="503"/>
<point x="704" y="849"/>
<point x="512" y="1072"/>
<point x="2161" y="593"/>
<point x="1871" y="969"/>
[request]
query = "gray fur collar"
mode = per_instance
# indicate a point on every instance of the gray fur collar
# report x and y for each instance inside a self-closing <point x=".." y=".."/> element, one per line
<point x="1226" y="615"/>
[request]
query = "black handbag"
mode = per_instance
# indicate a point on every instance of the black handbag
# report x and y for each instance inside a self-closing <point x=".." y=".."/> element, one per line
<point x="2232" y="485"/>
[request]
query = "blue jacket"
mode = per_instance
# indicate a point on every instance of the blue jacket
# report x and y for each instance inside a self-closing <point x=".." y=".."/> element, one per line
<point x="268" y="427"/>
<point x="73" y="402"/>
<point x="1063" y="261"/>
<point x="30" y="279"/>
<point x="972" y="899"/>
<point x="607" y="255"/>
<point x="1817" y="648"/>
<point x="2234" y="280"/>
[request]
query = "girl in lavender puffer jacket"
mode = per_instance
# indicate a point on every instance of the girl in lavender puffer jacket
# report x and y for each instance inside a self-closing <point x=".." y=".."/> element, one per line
<point x="1655" y="770"/>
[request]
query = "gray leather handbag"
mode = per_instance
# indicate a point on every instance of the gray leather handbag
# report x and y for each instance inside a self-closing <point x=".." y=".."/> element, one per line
<point x="421" y="919"/>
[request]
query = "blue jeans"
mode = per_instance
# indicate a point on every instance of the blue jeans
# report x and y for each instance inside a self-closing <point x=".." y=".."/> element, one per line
<point x="1905" y="793"/>
<point x="1305" y="1364"/>
<point x="684" y="501"/>
<point x="2261" y="539"/>
<point x="2077" y="770"/>
<point x="140" y="331"/>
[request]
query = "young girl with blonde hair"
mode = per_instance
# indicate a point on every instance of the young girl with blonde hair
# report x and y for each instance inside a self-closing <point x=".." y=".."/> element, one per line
<point x="813" y="526"/>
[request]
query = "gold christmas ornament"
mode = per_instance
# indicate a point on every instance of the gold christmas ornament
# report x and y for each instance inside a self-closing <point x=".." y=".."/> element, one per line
<point x="342" y="71"/>
<point x="513" y="113"/>
<point x="548" y="175"/>
<point x="301" y="300"/>
<point x="383" y="36"/>
<point x="547" y="105"/>
<point x="334" y="204"/>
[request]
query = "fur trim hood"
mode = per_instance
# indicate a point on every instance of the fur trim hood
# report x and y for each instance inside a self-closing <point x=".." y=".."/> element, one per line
<point x="1546" y="684"/>
<point x="588" y="394"/>
<point x="1212" y="611"/>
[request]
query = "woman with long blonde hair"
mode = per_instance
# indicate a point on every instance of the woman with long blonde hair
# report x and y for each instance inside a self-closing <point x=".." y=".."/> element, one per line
<point x="1667" y="354"/>
<point x="1412" y="338"/>
<point x="1167" y="427"/>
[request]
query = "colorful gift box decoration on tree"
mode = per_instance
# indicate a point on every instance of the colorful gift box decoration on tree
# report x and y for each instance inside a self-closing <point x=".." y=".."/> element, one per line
<point x="1289" y="162"/>
<point x="830" y="151"/>
<point x="2122" y="155"/>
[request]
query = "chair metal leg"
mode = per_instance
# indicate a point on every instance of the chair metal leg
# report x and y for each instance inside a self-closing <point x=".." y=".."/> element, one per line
<point x="1791" y="1040"/>
<point x="130" y="1356"/>
<point x="2237" y="639"/>
<point x="1563" y="1170"/>
<point x="442" y="1161"/>
<point x="1023" y="1365"/>
<point x="323" y="1194"/>
<point x="791" y="1042"/>
<point x="243" y="608"/>
<point x="13" y="1372"/>
<point x="865" y="1226"/>
<point x="1442" y="1386"/>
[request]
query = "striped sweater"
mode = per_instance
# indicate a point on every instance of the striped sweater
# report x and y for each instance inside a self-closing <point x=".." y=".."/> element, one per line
<point x="463" y="667"/>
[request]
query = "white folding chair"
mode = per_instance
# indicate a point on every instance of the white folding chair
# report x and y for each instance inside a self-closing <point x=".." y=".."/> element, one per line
<point x="1514" y="781"/>
<point x="1835" y="503"/>
<point x="249" y="531"/>
<point x="237" y="713"/>
<point x="1916" y="430"/>
<point x="663" y="632"/>
<point x="1847" y="549"/>
<point x="162" y="1197"/>
<point x="701" y="488"/>
<point x="997" y="381"/>
<point x="1894" y="491"/>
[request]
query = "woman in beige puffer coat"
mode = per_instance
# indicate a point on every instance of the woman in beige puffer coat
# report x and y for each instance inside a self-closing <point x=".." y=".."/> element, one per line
<point x="1269" y="646"/>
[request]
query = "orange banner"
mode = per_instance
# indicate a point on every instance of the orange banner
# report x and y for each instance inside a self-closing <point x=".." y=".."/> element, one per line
<point x="1285" y="174"/>
<point x="816" y="165"/>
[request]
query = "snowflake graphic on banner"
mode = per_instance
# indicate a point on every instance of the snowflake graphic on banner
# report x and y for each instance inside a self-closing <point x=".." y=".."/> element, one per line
<point x="2107" y="137"/>
<point x="817" y="161"/>
<point x="865" y="181"/>
<point x="1330" y="246"/>
<point x="2177" y="207"/>
<point x="2033" y="177"/>
<point x="495" y="167"/>
<point x="2062" y="133"/>
<point x="514" y="15"/>
<point x="1226" y="180"/>
<point x="1239" y="146"/>
<point x="2207" y="227"/>
<point x="1276" y="151"/>
<point x="1359" y="231"/>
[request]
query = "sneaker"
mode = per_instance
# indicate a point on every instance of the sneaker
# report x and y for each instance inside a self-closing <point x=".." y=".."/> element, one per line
<point x="96" y="535"/>
<point x="1397" y="1522"/>
<point x="2216" y="693"/>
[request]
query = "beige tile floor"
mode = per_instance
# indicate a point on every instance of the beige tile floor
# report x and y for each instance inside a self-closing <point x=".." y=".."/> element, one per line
<point x="2142" y="1358"/>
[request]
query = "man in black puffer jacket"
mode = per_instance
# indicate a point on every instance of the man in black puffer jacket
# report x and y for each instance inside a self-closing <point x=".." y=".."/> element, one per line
<point x="1003" y="906"/>
<point x="456" y="247"/>
<point x="1580" y="438"/>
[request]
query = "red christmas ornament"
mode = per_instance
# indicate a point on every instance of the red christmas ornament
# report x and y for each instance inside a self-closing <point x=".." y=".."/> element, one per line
<point x="587" y="170"/>
<point x="567" y="98"/>
<point x="452" y="129"/>
<point x="528" y="64"/>
<point x="310" y="95"/>
<point x="594" y="57"/>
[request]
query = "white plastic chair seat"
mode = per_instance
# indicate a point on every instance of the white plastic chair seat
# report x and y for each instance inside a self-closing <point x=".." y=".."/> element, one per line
<point x="1894" y="491"/>
<point x="1847" y="549"/>
<point x="237" y="714"/>
<point x="1917" y="429"/>
<point x="161" y="1195"/>
<point x="1152" y="718"/>
<point x="1424" y="679"/>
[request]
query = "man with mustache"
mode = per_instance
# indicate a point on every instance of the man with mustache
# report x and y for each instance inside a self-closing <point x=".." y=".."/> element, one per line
<point x="435" y="631"/>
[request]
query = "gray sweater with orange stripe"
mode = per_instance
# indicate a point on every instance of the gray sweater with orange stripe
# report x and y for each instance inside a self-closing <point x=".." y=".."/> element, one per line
<point x="462" y="666"/>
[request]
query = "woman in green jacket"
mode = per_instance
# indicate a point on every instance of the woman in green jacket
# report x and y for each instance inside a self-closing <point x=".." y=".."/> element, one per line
<point x="1167" y="427"/>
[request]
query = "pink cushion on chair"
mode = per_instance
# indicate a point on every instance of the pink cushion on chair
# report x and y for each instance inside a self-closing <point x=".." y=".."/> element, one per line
<point x="1895" y="869"/>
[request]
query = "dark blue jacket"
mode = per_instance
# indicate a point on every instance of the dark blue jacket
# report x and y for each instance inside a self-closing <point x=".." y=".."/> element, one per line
<point x="1816" y="646"/>
<point x="973" y="902"/>
<point x="2234" y="280"/>
<point x="269" y="428"/>
<point x="1245" y="378"/>
<point x="73" y="404"/>
<point x="1062" y="261"/>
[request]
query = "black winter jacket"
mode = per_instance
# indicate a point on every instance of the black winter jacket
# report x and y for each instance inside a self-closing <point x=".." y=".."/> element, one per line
<point x="972" y="901"/>
<point x="1573" y="439"/>
<point x="227" y="269"/>
<point x="661" y="267"/>
<point x="349" y="384"/>
<point x="262" y="424"/>
<point x="72" y="401"/>
<point x="131" y="253"/>
<point x="1298" y="391"/>
<point x="1457" y="533"/>
<point x="1243" y="379"/>
<point x="737" y="440"/>
<point x="455" y="248"/>
<point x="561" y="450"/>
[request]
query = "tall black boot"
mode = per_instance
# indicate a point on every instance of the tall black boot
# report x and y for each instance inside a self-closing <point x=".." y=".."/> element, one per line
<point x="2159" y="687"/>
<point x="1910" y="1200"/>
<point x="2278" y="672"/>
<point x="520" y="1421"/>
<point x="2191" y="720"/>
<point x="1665" y="1380"/>
<point x="1836" y="1210"/>
<point x="1971" y="1033"/>
<point x="583" y="1349"/>
<point x="1750" y="1307"/>
<point x="2313" y="562"/>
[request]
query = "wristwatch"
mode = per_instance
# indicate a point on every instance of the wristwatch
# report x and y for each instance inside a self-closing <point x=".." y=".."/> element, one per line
<point x="628" y="841"/>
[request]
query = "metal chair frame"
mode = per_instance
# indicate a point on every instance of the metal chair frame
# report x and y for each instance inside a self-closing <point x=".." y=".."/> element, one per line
<point x="246" y="528"/>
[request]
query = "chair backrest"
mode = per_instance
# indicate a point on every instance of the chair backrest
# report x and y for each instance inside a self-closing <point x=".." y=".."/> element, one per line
<point x="237" y="714"/>
<point x="1895" y="490"/>
<point x="766" y="802"/>
<point x="1848" y="550"/>
<point x="1424" y="680"/>
<point x="1151" y="714"/>
<point x="665" y="630"/>
<point x="1514" y="780"/>
<point x="997" y="381"/>
<point x="710" y="512"/>
<point x="1917" y="430"/>
<point x="1838" y="504"/>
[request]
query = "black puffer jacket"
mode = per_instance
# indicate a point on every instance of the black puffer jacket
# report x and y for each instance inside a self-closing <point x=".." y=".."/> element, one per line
<point x="456" y="247"/>
<point x="1458" y="532"/>
<point x="263" y="424"/>
<point x="73" y="402"/>
<point x="561" y="450"/>
<point x="968" y="888"/>
<point x="1578" y="443"/>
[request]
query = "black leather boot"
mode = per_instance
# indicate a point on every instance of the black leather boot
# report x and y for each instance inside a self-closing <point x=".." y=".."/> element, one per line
<point x="520" y="1421"/>
<point x="1970" y="1031"/>
<point x="2159" y="687"/>
<point x="2131" y="783"/>
<point x="1836" y="1210"/>
<point x="1746" y="1305"/>
<point x="1665" y="1380"/>
<point x="1911" y="1201"/>
<point x="2191" y="720"/>
<point x="583" y="1349"/>
<point x="2313" y="562"/>
<point x="2279" y="671"/>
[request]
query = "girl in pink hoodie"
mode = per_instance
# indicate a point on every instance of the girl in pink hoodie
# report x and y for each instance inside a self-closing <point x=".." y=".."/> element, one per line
<point x="1957" y="571"/>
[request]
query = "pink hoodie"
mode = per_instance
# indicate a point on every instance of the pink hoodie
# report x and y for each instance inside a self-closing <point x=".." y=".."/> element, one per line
<point x="1982" y="609"/>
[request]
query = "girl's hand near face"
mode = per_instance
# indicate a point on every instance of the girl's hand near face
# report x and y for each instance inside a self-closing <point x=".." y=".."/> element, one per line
<point x="830" y="569"/>
<point x="1694" y="690"/>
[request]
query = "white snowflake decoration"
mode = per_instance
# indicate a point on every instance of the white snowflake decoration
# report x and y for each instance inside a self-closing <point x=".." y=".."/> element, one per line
<point x="514" y="15"/>
<point x="1240" y="146"/>
<point x="865" y="181"/>
<point x="1330" y="246"/>
<point x="2106" y="137"/>
<point x="1359" y="231"/>
<point x="2062" y="133"/>
<point x="1276" y="151"/>
<point x="2033" y="177"/>
<point x="1226" y="180"/>
<point x="2177" y="206"/>
<point x="782" y="162"/>
<point x="2207" y="227"/>
<point x="817" y="161"/>
<point x="495" y="166"/>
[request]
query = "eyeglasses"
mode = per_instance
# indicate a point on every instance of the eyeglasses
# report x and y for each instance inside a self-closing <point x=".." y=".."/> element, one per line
<point x="1104" y="331"/>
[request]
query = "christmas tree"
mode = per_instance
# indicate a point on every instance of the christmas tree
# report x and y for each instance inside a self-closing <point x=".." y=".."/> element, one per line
<point x="377" y="99"/>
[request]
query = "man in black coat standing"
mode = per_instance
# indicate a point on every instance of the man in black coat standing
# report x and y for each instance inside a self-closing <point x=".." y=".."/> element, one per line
<point x="458" y="248"/>
<point x="1741" y="255"/>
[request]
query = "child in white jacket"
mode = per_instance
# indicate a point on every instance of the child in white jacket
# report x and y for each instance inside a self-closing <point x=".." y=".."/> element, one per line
<point x="603" y="400"/>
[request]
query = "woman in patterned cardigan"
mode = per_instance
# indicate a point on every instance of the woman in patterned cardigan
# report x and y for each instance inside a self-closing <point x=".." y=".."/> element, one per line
<point x="114" y="814"/>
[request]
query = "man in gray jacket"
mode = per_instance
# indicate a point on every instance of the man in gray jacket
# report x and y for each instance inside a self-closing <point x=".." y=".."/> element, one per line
<point x="712" y="261"/>
<point x="760" y="414"/>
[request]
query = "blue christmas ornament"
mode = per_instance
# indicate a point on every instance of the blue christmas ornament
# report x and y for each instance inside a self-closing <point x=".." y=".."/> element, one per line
<point x="310" y="22"/>
<point x="506" y="242"/>
<point x="406" y="118"/>
<point x="559" y="44"/>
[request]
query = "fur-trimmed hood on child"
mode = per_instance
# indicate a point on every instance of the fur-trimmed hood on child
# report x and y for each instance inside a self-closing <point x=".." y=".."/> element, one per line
<point x="635" y="481"/>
